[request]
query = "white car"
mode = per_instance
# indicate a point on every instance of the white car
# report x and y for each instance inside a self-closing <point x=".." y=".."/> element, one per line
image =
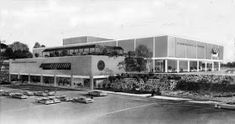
<point x="228" y="105"/>
<point x="28" y="93"/>
<point x="45" y="101"/>
<point x="18" y="95"/>
<point x="55" y="100"/>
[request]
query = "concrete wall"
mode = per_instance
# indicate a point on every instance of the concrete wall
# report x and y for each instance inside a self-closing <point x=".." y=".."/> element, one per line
<point x="185" y="48"/>
<point x="111" y="65"/>
<point x="80" y="65"/>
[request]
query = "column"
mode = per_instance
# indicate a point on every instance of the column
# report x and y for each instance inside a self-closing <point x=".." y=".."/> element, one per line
<point x="212" y="66"/>
<point x="219" y="66"/>
<point x="188" y="66"/>
<point x="153" y="60"/>
<point x="116" y="43"/>
<point x="197" y="66"/>
<point x="154" y="55"/>
<point x="177" y="66"/>
<point x="71" y="81"/>
<point x="205" y="66"/>
<point x="9" y="78"/>
<point x="91" y="82"/>
<point x="18" y="78"/>
<point x="134" y="44"/>
<point x="166" y="66"/>
<point x="55" y="80"/>
<point x="29" y="78"/>
<point x="41" y="79"/>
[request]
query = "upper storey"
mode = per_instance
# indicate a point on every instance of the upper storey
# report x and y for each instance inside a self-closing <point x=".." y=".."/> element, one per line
<point x="83" y="39"/>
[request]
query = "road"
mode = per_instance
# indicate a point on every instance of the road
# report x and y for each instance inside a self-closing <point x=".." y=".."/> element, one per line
<point x="113" y="109"/>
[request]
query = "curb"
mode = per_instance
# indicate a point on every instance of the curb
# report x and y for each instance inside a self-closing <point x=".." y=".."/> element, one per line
<point x="162" y="97"/>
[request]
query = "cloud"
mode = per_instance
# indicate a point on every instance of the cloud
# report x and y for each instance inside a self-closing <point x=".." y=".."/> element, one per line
<point x="52" y="20"/>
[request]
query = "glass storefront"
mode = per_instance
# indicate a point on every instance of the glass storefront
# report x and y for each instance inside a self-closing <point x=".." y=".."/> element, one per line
<point x="159" y="66"/>
<point x="172" y="65"/>
<point x="63" y="81"/>
<point x="35" y="79"/>
<point x="193" y="66"/>
<point x="183" y="66"/>
<point x="47" y="80"/>
<point x="14" y="77"/>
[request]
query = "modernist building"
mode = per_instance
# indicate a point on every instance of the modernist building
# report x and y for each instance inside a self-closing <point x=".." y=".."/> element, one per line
<point x="78" y="63"/>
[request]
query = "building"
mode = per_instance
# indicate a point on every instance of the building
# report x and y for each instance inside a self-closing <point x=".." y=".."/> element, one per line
<point x="81" y="60"/>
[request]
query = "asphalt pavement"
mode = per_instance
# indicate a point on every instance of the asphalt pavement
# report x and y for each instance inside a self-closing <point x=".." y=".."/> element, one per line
<point x="113" y="109"/>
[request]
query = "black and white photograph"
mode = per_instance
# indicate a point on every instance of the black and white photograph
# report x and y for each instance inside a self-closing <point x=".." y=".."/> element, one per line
<point x="117" y="61"/>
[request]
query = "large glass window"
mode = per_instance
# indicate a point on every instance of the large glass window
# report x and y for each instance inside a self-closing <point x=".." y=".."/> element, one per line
<point x="159" y="66"/>
<point x="172" y="65"/>
<point x="35" y="79"/>
<point x="63" y="81"/>
<point x="14" y="77"/>
<point x="48" y="80"/>
<point x="183" y="66"/>
<point x="193" y="66"/>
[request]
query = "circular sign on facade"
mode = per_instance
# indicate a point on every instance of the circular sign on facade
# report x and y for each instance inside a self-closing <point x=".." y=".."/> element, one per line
<point x="101" y="65"/>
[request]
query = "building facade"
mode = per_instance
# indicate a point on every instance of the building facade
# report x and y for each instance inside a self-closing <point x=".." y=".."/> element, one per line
<point x="78" y="63"/>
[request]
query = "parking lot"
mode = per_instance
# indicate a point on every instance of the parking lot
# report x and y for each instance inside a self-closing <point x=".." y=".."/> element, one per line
<point x="113" y="109"/>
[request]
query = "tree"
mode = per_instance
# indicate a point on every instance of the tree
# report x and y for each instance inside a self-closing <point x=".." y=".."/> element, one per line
<point x="8" y="54"/>
<point x="19" y="46"/>
<point x="43" y="45"/>
<point x="19" y="50"/>
<point x="36" y="45"/>
<point x="143" y="51"/>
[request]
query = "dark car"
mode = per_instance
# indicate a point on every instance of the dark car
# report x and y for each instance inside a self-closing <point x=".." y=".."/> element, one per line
<point x="83" y="100"/>
<point x="40" y="93"/>
<point x="97" y="93"/>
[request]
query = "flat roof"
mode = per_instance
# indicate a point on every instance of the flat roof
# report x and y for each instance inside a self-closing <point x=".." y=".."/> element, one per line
<point x="80" y="46"/>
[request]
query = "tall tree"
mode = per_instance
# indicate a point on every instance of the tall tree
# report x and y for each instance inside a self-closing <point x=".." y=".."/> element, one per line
<point x="19" y="46"/>
<point x="20" y="50"/>
<point x="36" y="45"/>
<point x="143" y="51"/>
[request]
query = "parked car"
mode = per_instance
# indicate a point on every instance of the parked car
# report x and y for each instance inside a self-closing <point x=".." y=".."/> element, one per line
<point x="55" y="100"/>
<point x="18" y="95"/>
<point x="83" y="100"/>
<point x="97" y="93"/>
<point x="28" y="93"/>
<point x="65" y="98"/>
<point x="50" y="93"/>
<point x="45" y="101"/>
<point x="5" y="93"/>
<point x="40" y="93"/>
<point x="228" y="105"/>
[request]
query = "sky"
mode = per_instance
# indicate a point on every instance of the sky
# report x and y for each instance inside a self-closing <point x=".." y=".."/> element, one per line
<point x="49" y="21"/>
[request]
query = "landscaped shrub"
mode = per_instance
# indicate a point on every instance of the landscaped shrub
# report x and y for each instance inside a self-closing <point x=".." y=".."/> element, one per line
<point x="140" y="83"/>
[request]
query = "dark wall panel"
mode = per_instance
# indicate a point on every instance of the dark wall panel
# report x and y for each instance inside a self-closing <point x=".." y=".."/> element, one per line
<point x="191" y="49"/>
<point x="180" y="48"/>
<point x="161" y="46"/>
<point x="171" y="46"/>
<point x="148" y="42"/>
<point x="127" y="45"/>
<point x="201" y="50"/>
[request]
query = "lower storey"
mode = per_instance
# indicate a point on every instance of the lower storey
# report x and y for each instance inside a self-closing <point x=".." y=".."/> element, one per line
<point x="178" y="65"/>
<point x="69" y="81"/>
